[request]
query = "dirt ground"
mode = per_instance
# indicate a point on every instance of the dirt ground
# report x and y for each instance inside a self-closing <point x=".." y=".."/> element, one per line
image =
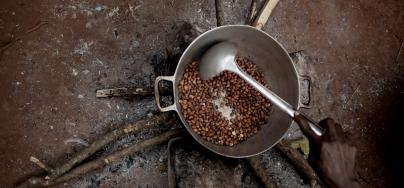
<point x="49" y="76"/>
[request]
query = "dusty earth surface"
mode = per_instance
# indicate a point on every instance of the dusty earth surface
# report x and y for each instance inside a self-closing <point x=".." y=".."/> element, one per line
<point x="48" y="80"/>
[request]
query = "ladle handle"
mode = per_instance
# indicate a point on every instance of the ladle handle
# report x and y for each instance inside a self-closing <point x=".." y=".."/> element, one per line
<point x="278" y="101"/>
<point x="314" y="126"/>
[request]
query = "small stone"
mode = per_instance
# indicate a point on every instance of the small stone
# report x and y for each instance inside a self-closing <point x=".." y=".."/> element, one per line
<point x="86" y="71"/>
<point x="74" y="72"/>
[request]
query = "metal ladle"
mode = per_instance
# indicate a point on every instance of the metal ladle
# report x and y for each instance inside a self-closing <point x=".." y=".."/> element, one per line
<point x="222" y="57"/>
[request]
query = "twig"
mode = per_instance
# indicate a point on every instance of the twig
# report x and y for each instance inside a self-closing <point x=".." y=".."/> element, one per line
<point x="298" y="161"/>
<point x="40" y="164"/>
<point x="350" y="98"/>
<point x="172" y="179"/>
<point x="36" y="27"/>
<point x="130" y="92"/>
<point x="109" y="137"/>
<point x="8" y="45"/>
<point x="14" y="40"/>
<point x="264" y="14"/>
<point x="114" y="157"/>
<point x="260" y="172"/>
<point x="363" y="179"/>
<point x="399" y="50"/>
<point x="219" y="12"/>
<point x="253" y="12"/>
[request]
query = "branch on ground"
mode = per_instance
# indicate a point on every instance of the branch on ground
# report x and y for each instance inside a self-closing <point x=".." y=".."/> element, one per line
<point x="107" y="160"/>
<point x="131" y="128"/>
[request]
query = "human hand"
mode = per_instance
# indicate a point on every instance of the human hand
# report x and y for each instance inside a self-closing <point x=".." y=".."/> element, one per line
<point x="331" y="155"/>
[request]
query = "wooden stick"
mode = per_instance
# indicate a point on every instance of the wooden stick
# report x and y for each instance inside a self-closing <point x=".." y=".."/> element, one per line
<point x="298" y="161"/>
<point x="18" y="38"/>
<point x="260" y="172"/>
<point x="264" y="14"/>
<point x="109" y="137"/>
<point x="40" y="164"/>
<point x="130" y="92"/>
<point x="172" y="179"/>
<point x="253" y="12"/>
<point x="36" y="27"/>
<point x="9" y="44"/>
<point x="399" y="51"/>
<point x="109" y="159"/>
<point x="219" y="12"/>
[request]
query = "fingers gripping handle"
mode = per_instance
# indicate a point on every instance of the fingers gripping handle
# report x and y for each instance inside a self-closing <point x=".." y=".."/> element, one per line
<point x="157" y="94"/>
<point x="313" y="125"/>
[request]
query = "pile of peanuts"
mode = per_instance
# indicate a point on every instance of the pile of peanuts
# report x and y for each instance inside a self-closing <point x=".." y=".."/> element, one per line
<point x="224" y="110"/>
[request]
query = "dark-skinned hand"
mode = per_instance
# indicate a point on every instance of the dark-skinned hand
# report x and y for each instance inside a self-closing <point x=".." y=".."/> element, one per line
<point x="332" y="156"/>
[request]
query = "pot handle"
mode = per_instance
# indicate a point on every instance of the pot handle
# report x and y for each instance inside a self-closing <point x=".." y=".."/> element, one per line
<point x="157" y="93"/>
<point x="305" y="83"/>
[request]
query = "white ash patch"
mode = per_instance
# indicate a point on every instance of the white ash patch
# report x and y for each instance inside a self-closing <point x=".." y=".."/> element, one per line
<point x="113" y="12"/>
<point x="220" y="105"/>
<point x="83" y="47"/>
<point x="85" y="71"/>
<point x="77" y="141"/>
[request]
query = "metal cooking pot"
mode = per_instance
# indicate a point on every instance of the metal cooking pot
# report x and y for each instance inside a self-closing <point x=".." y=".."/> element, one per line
<point x="270" y="57"/>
